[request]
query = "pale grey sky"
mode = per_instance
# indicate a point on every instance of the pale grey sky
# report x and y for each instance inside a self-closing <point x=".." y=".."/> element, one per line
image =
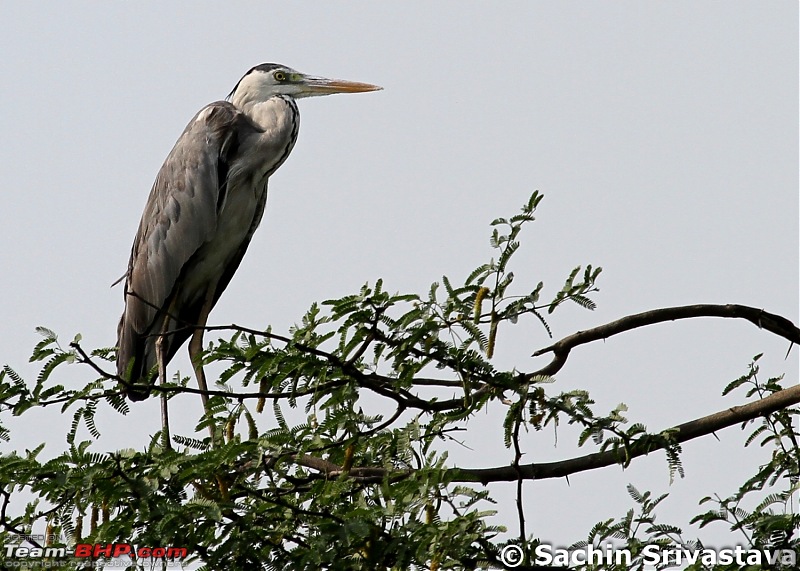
<point x="663" y="135"/>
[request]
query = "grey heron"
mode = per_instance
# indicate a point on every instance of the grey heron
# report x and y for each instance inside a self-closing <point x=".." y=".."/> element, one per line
<point x="205" y="204"/>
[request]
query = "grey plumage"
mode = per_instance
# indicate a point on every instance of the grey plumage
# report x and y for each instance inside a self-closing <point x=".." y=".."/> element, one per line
<point x="205" y="204"/>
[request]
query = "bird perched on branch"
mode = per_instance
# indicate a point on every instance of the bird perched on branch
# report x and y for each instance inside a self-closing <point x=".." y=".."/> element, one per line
<point x="205" y="204"/>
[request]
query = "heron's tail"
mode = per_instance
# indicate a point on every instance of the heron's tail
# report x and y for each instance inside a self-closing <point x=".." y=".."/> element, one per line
<point x="132" y="362"/>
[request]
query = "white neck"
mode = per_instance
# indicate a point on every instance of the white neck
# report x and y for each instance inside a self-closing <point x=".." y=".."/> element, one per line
<point x="275" y="113"/>
<point x="278" y="122"/>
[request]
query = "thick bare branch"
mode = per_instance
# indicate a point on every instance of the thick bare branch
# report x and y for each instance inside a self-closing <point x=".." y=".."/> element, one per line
<point x="762" y="319"/>
<point x="681" y="433"/>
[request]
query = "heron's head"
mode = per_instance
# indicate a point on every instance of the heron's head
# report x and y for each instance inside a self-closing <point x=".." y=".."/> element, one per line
<point x="271" y="79"/>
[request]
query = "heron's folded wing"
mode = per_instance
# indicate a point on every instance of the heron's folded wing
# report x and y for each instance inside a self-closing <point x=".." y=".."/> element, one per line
<point x="181" y="213"/>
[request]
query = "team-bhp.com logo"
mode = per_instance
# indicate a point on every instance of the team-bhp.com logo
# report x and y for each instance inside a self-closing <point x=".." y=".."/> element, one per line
<point x="95" y="551"/>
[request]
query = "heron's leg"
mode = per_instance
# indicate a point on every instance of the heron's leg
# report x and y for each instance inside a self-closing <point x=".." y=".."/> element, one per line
<point x="162" y="377"/>
<point x="196" y="348"/>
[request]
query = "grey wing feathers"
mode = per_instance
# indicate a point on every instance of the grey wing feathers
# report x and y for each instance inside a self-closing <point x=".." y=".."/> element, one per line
<point x="180" y="215"/>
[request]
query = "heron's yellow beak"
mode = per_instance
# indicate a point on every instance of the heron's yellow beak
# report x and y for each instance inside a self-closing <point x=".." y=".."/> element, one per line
<point x="324" y="86"/>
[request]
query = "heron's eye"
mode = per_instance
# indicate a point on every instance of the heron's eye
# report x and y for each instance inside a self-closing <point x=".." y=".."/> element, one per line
<point x="279" y="76"/>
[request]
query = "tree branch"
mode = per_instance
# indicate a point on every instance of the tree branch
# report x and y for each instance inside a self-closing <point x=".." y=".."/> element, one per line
<point x="519" y="472"/>
<point x="681" y="433"/>
<point x="762" y="319"/>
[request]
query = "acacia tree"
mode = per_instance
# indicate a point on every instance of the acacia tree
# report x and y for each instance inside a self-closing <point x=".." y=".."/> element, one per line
<point x="363" y="395"/>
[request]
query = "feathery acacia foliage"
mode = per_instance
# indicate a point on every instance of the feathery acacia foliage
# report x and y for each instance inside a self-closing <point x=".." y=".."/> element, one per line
<point x="347" y="466"/>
